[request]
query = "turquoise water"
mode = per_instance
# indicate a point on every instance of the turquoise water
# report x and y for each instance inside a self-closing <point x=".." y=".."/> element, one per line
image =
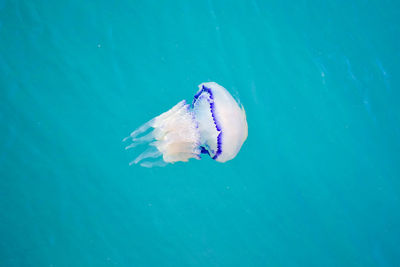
<point x="317" y="182"/>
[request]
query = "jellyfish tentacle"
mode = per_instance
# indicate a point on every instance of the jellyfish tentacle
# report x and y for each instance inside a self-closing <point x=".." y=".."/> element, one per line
<point x="131" y="146"/>
<point x="151" y="152"/>
<point x="149" y="164"/>
<point x="139" y="130"/>
<point x="146" y="138"/>
<point x="141" y="140"/>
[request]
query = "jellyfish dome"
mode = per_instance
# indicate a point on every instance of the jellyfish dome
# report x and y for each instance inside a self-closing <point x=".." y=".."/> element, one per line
<point x="214" y="124"/>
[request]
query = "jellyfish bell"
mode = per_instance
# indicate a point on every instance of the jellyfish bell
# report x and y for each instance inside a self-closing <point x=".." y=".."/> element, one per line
<point x="221" y="121"/>
<point x="214" y="124"/>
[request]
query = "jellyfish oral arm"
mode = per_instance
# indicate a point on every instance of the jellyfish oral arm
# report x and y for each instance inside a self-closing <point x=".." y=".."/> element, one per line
<point x="175" y="136"/>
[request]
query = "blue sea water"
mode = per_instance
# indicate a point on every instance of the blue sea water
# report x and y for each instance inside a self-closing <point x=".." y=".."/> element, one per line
<point x="317" y="183"/>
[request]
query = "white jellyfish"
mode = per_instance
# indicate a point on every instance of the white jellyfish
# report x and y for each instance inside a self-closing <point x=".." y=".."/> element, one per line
<point x="214" y="124"/>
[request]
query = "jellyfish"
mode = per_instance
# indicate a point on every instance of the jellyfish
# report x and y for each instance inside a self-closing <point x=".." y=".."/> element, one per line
<point x="213" y="124"/>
